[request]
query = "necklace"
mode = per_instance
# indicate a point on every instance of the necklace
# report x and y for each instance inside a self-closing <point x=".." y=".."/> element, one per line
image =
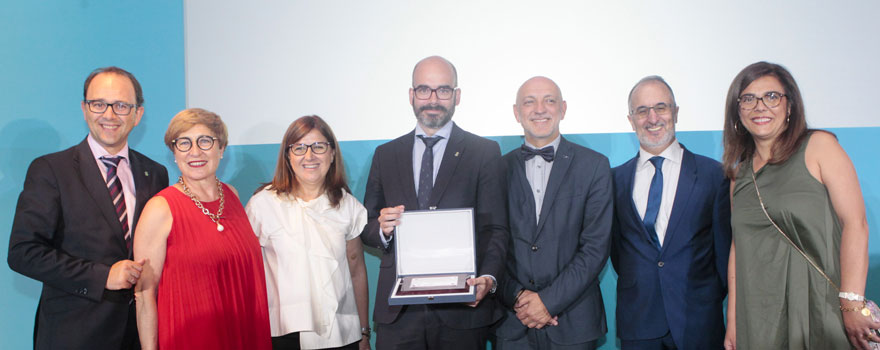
<point x="214" y="217"/>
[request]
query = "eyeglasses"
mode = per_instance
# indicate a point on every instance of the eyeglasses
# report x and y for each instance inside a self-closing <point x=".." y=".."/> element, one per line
<point x="301" y="148"/>
<point x="100" y="106"/>
<point x="771" y="99"/>
<point x="184" y="144"/>
<point x="423" y="92"/>
<point x="643" y="111"/>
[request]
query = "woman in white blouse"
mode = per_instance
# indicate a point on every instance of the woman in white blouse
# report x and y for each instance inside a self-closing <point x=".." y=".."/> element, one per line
<point x="308" y="225"/>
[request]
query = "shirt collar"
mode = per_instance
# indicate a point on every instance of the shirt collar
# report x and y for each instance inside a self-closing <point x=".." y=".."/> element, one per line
<point x="673" y="153"/>
<point x="445" y="131"/>
<point x="554" y="143"/>
<point x="98" y="151"/>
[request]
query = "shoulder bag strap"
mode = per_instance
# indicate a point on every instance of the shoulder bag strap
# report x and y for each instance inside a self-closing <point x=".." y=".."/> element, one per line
<point x="758" y="192"/>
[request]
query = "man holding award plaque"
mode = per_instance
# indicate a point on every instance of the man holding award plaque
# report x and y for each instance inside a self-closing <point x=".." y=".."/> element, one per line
<point x="559" y="197"/>
<point x="438" y="167"/>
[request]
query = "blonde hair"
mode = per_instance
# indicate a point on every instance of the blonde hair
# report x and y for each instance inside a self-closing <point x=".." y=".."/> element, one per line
<point x="191" y="117"/>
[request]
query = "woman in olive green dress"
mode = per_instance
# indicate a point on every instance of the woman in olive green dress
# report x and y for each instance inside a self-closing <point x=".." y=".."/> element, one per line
<point x="777" y="300"/>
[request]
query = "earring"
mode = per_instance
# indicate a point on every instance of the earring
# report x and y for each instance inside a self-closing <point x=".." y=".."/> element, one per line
<point x="787" y="119"/>
<point x="736" y="129"/>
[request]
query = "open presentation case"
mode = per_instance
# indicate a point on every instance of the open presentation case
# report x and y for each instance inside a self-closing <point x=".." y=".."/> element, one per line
<point x="435" y="252"/>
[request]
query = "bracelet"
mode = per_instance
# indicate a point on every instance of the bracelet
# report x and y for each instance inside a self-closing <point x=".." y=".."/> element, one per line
<point x="851" y="296"/>
<point x="857" y="308"/>
<point x="518" y="294"/>
<point x="366" y="331"/>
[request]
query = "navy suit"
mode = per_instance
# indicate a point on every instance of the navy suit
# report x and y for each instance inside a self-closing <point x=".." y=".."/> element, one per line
<point x="66" y="234"/>
<point x="680" y="288"/>
<point x="561" y="255"/>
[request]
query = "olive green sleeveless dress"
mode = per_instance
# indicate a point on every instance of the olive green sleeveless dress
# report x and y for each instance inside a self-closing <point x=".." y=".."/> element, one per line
<point x="782" y="302"/>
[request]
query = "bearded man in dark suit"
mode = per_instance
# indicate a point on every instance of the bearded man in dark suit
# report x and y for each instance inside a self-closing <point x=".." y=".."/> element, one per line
<point x="438" y="165"/>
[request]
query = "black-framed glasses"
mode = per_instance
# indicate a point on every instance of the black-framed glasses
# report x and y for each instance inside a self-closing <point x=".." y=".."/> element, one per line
<point x="100" y="106"/>
<point x="424" y="92"/>
<point x="661" y="109"/>
<point x="204" y="142"/>
<point x="301" y="148"/>
<point x="771" y="99"/>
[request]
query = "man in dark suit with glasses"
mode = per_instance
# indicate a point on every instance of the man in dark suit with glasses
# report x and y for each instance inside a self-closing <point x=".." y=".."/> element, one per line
<point x="75" y="220"/>
<point x="437" y="165"/>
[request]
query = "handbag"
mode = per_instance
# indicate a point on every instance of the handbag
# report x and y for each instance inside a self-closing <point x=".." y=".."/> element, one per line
<point x="869" y="309"/>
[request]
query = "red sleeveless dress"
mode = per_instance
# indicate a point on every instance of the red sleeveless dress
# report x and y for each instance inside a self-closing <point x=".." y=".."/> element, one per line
<point x="212" y="292"/>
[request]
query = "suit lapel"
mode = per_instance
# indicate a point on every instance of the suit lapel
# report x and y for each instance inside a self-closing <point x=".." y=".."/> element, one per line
<point x="455" y="149"/>
<point x="630" y="181"/>
<point x="686" y="179"/>
<point x="141" y="184"/>
<point x="91" y="177"/>
<point x="561" y="163"/>
<point x="518" y="177"/>
<point x="405" y="167"/>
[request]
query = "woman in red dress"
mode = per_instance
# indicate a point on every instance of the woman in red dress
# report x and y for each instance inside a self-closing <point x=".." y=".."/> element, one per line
<point x="203" y="285"/>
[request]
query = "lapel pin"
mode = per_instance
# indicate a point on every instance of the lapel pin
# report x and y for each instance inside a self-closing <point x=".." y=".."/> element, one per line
<point x="456" y="154"/>
<point x="146" y="173"/>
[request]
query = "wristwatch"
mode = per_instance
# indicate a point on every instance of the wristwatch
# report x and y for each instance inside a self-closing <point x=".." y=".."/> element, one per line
<point x="851" y="296"/>
<point x="366" y="331"/>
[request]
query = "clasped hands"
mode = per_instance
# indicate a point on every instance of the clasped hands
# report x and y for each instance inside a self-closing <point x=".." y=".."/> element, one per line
<point x="530" y="310"/>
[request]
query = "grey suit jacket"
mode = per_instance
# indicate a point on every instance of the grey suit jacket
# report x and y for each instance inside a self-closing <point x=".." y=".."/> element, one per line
<point x="561" y="255"/>
<point x="66" y="234"/>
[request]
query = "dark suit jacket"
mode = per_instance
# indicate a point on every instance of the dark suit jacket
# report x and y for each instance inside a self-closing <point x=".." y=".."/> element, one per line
<point x="561" y="255"/>
<point x="681" y="287"/>
<point x="468" y="178"/>
<point x="66" y="234"/>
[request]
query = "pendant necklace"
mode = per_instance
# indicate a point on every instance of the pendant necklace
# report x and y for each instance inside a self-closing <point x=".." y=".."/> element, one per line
<point x="214" y="217"/>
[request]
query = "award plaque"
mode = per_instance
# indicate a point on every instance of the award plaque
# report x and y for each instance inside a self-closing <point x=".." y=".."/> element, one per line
<point x="435" y="252"/>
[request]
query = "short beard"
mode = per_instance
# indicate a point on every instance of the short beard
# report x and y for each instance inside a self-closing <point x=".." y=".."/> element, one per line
<point x="666" y="140"/>
<point x="436" y="122"/>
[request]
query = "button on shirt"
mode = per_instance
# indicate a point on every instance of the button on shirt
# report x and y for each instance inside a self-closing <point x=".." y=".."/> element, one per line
<point x="538" y="174"/>
<point x="645" y="172"/>
<point x="123" y="172"/>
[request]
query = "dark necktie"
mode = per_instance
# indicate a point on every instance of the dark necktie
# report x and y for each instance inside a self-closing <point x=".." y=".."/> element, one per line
<point x="655" y="194"/>
<point x="115" y="187"/>
<point x="426" y="174"/>
<point x="529" y="153"/>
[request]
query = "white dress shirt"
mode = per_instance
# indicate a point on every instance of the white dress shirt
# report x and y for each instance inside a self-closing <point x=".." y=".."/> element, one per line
<point x="308" y="280"/>
<point x="645" y="173"/>
<point x="123" y="172"/>
<point x="538" y="174"/>
<point x="418" y="151"/>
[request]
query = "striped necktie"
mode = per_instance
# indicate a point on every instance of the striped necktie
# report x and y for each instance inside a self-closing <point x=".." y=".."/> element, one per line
<point x="115" y="187"/>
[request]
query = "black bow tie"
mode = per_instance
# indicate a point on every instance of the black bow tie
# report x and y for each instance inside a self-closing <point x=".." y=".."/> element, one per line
<point x="529" y="153"/>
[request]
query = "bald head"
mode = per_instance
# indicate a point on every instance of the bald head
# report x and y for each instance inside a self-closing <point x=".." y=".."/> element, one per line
<point x="435" y="65"/>
<point x="539" y="108"/>
<point x="538" y="83"/>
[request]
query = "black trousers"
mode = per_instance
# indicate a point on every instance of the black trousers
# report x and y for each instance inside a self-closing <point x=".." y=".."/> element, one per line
<point x="291" y="342"/>
<point x="419" y="328"/>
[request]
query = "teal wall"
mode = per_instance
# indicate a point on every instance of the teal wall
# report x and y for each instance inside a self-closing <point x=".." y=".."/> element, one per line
<point x="50" y="46"/>
<point x="47" y="48"/>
